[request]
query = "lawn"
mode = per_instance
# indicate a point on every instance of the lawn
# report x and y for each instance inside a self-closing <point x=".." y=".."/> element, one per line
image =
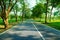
<point x="55" y="24"/>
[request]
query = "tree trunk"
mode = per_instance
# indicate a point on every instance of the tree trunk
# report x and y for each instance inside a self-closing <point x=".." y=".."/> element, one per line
<point x="16" y="18"/>
<point x="46" y="11"/>
<point x="46" y="18"/>
<point x="16" y="15"/>
<point x="15" y="12"/>
<point x="4" y="16"/>
<point x="51" y="13"/>
<point x="22" y="17"/>
<point x="5" y="21"/>
<point x="5" y="11"/>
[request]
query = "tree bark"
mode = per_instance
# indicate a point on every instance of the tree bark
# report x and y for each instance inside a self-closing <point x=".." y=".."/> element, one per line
<point x="22" y="17"/>
<point x="5" y="21"/>
<point x="16" y="18"/>
<point x="15" y="12"/>
<point x="4" y="16"/>
<point x="16" y="15"/>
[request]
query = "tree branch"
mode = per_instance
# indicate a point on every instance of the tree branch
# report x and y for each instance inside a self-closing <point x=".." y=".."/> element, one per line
<point x="1" y="3"/>
<point x="11" y="6"/>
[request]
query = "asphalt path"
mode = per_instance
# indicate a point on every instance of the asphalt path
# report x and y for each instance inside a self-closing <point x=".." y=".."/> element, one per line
<point x="31" y="30"/>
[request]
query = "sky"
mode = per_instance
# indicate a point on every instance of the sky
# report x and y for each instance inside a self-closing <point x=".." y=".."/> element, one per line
<point x="32" y="3"/>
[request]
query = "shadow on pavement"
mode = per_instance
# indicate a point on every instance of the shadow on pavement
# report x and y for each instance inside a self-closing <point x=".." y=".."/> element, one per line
<point x="47" y="32"/>
<point x="25" y="27"/>
<point x="17" y="37"/>
<point x="26" y="31"/>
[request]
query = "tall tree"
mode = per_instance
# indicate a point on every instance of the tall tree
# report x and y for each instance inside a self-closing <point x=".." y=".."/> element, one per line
<point x="24" y="6"/>
<point x="27" y="12"/>
<point x="16" y="9"/>
<point x="38" y="10"/>
<point x="22" y="2"/>
<point x="46" y="11"/>
<point x="7" y="6"/>
<point x="54" y="3"/>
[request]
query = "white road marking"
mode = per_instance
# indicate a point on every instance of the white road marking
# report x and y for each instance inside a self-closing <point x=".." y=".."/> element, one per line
<point x="39" y="32"/>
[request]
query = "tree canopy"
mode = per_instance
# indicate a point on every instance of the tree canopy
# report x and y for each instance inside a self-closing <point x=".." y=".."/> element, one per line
<point x="38" y="10"/>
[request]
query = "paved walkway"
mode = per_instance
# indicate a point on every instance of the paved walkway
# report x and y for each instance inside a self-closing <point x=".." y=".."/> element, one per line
<point x="29" y="30"/>
<point x="48" y="32"/>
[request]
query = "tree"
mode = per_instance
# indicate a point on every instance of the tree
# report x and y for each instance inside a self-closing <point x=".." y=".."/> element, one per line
<point x="38" y="10"/>
<point x="46" y="11"/>
<point x="27" y="12"/>
<point x="24" y="5"/>
<point x="6" y="7"/>
<point x="16" y="9"/>
<point x="22" y="2"/>
<point x="54" y="3"/>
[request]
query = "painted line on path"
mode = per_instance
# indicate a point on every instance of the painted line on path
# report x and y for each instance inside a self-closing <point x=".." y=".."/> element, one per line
<point x="39" y="32"/>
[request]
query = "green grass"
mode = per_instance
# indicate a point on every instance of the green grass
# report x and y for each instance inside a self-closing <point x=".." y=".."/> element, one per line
<point x="10" y="21"/>
<point x="1" y="22"/>
<point x="55" y="25"/>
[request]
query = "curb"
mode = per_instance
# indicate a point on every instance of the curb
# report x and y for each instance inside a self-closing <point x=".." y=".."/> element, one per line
<point x="49" y="27"/>
<point x="57" y="31"/>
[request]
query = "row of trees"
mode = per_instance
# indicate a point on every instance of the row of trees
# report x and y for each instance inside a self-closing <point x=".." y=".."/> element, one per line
<point x="7" y="6"/>
<point x="41" y="8"/>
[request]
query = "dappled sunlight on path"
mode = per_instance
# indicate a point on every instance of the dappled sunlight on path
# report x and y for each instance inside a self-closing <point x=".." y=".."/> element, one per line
<point x="47" y="32"/>
<point x="27" y="31"/>
<point x="24" y="31"/>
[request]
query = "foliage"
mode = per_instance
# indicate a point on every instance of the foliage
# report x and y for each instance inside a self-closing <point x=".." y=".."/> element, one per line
<point x="55" y="2"/>
<point x="56" y="13"/>
<point x="27" y="13"/>
<point x="12" y="16"/>
<point x="38" y="10"/>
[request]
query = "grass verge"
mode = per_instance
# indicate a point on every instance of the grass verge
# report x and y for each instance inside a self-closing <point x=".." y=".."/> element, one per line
<point x="54" y="23"/>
